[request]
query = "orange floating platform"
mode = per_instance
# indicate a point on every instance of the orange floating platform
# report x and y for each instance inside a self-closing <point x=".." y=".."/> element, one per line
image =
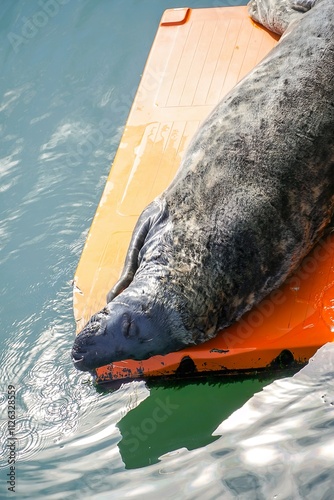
<point x="197" y="57"/>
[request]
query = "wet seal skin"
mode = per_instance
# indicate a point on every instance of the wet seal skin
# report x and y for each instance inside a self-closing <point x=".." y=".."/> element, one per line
<point x="253" y="194"/>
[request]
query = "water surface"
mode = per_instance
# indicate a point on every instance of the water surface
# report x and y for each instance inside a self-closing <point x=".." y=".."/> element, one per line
<point x="67" y="67"/>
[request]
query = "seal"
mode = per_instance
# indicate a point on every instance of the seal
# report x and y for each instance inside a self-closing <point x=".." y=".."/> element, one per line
<point x="253" y="194"/>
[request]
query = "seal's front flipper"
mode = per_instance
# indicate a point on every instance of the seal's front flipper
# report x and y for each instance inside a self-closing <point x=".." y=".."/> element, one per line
<point x="137" y="241"/>
<point x="276" y="15"/>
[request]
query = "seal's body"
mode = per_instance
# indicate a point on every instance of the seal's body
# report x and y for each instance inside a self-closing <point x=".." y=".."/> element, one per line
<point x="253" y="194"/>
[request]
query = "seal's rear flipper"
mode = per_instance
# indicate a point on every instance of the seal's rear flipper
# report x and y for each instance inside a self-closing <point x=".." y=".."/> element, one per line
<point x="276" y="15"/>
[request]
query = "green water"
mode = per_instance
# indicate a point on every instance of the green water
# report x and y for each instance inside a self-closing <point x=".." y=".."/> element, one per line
<point x="177" y="417"/>
<point x="67" y="65"/>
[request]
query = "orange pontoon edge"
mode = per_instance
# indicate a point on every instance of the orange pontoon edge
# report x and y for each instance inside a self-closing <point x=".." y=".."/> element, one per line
<point x="196" y="58"/>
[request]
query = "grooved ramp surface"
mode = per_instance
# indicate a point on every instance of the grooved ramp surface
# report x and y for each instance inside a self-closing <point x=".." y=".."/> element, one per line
<point x="196" y="58"/>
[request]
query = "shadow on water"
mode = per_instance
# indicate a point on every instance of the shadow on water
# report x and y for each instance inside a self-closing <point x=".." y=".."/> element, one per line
<point x="182" y="415"/>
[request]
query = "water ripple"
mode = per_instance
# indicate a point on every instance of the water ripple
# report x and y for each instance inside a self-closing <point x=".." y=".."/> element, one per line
<point x="28" y="439"/>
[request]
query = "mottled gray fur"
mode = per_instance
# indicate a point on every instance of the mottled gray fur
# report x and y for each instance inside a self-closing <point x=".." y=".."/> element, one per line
<point x="256" y="187"/>
<point x="253" y="194"/>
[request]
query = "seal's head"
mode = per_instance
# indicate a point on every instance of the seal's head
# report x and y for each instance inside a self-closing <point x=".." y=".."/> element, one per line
<point x="132" y="326"/>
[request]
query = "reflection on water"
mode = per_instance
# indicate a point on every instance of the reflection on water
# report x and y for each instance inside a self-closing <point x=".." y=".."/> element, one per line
<point x="66" y="88"/>
<point x="180" y="416"/>
<point x="280" y="444"/>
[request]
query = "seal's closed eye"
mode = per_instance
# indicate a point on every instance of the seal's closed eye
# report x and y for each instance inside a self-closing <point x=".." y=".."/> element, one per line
<point x="129" y="328"/>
